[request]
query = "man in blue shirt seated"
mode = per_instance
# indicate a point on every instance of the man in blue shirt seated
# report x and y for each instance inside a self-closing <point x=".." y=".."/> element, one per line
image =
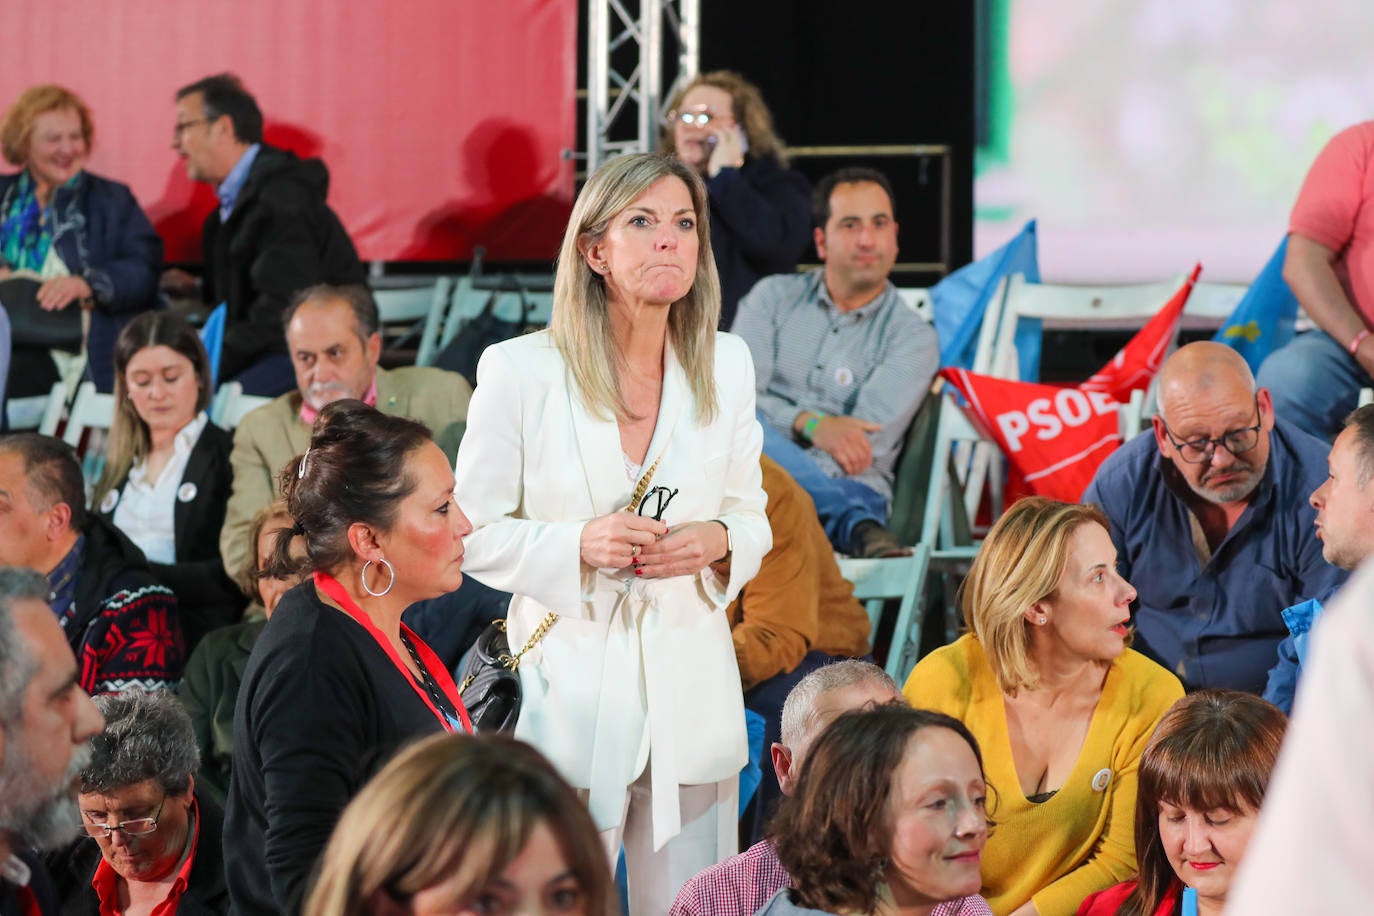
<point x="1211" y="521"/>
<point x="841" y="363"/>
<point x="1345" y="525"/>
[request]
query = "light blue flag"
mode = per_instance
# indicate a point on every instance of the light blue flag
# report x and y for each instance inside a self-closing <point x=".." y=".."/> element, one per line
<point x="212" y="336"/>
<point x="961" y="299"/>
<point x="1264" y="317"/>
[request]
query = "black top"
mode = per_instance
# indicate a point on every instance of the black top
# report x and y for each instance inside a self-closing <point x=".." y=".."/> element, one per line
<point x="760" y="224"/>
<point x="321" y="708"/>
<point x="206" y="597"/>
<point x="40" y="890"/>
<point x="280" y="238"/>
<point x="74" y="867"/>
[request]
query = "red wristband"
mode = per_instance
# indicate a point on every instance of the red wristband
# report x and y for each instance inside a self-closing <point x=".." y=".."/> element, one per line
<point x="1357" y="340"/>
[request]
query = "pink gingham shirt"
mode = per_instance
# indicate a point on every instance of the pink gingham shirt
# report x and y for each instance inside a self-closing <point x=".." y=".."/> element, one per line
<point x="742" y="884"/>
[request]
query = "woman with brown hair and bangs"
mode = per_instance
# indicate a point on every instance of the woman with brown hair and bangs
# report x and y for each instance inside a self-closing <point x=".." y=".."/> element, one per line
<point x="889" y="818"/>
<point x="1202" y="781"/>
<point x="1062" y="708"/>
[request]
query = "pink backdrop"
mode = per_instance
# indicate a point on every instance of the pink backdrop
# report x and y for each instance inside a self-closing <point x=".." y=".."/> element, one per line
<point x="441" y="121"/>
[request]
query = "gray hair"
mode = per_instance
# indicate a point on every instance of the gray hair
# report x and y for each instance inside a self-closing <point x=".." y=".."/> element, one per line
<point x="801" y="700"/>
<point x="147" y="736"/>
<point x="356" y="296"/>
<point x="17" y="664"/>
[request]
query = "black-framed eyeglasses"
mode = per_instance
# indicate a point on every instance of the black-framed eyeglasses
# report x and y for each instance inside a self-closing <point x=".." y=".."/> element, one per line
<point x="180" y="127"/>
<point x="139" y="826"/>
<point x="1235" y="441"/>
<point x="656" y="502"/>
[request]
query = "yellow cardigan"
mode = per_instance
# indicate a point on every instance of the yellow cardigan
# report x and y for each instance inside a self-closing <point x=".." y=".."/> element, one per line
<point x="1081" y="840"/>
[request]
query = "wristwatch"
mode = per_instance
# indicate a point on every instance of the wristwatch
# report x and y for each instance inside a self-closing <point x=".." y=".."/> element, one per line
<point x="729" y="543"/>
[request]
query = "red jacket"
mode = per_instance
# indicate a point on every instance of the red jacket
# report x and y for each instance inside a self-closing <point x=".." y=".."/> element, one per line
<point x="1106" y="903"/>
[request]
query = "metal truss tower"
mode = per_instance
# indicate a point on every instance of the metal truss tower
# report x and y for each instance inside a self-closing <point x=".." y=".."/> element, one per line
<point x="630" y="44"/>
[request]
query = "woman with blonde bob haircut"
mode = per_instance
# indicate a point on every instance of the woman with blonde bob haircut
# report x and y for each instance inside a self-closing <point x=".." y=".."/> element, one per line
<point x="1060" y="705"/>
<point x="1202" y="781"/>
<point x="459" y="825"/>
<point x="83" y="237"/>
<point x="719" y="127"/>
<point x="613" y="462"/>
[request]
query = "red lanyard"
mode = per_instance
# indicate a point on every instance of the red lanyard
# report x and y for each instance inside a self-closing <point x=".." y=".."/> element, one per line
<point x="331" y="587"/>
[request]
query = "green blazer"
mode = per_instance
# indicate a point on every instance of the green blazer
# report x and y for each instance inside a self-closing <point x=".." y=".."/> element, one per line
<point x="269" y="437"/>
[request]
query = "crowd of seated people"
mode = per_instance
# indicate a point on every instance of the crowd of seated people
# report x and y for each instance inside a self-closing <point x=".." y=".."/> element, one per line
<point x="661" y="502"/>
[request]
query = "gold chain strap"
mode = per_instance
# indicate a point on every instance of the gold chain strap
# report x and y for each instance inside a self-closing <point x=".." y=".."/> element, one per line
<point x="513" y="661"/>
<point x="643" y="486"/>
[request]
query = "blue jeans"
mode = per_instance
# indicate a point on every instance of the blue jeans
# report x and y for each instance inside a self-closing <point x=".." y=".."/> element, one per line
<point x="841" y="503"/>
<point x="1314" y="382"/>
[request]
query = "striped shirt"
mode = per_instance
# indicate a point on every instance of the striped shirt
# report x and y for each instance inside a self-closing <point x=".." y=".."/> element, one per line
<point x="875" y="363"/>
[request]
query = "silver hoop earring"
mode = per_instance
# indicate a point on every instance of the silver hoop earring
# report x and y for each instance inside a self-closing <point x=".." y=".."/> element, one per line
<point x="389" y="568"/>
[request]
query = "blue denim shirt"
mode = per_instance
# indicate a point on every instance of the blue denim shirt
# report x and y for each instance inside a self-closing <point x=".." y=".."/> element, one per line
<point x="1216" y="625"/>
<point x="1283" y="677"/>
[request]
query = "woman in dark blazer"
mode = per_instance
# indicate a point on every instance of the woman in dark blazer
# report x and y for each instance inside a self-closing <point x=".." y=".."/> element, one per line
<point x="85" y="236"/>
<point x="167" y="476"/>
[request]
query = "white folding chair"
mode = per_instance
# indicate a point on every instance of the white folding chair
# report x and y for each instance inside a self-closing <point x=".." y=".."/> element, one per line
<point x="435" y="321"/>
<point x="1074" y="307"/>
<point x="403" y="310"/>
<point x="90" y="411"/>
<point x="231" y="405"/>
<point x="879" y="580"/>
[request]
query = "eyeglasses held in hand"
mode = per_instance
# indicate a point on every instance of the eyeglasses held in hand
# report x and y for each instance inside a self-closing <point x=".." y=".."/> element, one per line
<point x="656" y="501"/>
<point x="139" y="826"/>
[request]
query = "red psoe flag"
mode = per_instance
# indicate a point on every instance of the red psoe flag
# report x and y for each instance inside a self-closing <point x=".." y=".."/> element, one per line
<point x="1055" y="438"/>
<point x="1135" y="364"/>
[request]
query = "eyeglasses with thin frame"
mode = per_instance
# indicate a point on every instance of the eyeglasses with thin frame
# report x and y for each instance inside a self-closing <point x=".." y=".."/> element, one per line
<point x="656" y="500"/>
<point x="139" y="826"/>
<point x="180" y="127"/>
<point x="1235" y="441"/>
<point x="690" y="118"/>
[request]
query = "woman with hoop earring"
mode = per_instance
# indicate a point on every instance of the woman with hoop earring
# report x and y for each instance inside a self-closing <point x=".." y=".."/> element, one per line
<point x="336" y="683"/>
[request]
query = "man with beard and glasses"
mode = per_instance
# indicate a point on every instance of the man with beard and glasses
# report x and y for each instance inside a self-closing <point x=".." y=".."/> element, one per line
<point x="46" y="723"/>
<point x="332" y="333"/>
<point x="1211" y="521"/>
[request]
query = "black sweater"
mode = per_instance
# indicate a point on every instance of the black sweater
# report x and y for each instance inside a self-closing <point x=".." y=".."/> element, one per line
<point x="321" y="708"/>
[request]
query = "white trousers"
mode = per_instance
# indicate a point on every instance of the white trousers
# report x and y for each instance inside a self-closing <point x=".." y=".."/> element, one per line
<point x="710" y="817"/>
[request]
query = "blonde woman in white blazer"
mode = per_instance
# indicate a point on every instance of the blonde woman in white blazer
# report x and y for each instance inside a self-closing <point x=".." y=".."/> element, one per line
<point x="633" y="692"/>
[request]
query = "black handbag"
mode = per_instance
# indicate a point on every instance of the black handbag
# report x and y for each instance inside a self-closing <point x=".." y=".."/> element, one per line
<point x="31" y="325"/>
<point x="481" y="331"/>
<point x="490" y="686"/>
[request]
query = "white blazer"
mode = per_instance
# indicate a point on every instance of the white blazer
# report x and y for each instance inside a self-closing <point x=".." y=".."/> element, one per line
<point x="632" y="665"/>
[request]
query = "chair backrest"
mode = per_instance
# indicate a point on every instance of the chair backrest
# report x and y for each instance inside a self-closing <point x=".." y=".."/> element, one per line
<point x="231" y="405"/>
<point x="945" y="525"/>
<point x="1085" y="307"/>
<point x="90" y="410"/>
<point x="880" y="580"/>
<point x="1212" y="303"/>
<point x="404" y="310"/>
<point x="435" y="320"/>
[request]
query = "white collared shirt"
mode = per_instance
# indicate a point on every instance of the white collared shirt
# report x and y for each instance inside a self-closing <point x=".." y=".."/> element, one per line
<point x="146" y="511"/>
